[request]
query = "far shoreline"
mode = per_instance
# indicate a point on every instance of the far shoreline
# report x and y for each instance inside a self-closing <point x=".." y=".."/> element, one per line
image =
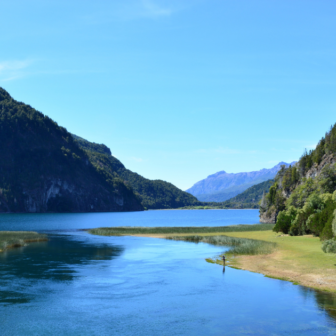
<point x="196" y="209"/>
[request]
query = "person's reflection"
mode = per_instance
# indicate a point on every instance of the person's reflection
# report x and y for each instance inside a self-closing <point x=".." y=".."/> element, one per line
<point x="223" y="257"/>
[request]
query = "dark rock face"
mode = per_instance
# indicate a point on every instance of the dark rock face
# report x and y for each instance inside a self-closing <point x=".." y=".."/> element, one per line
<point x="267" y="217"/>
<point x="56" y="195"/>
<point x="316" y="169"/>
<point x="42" y="169"/>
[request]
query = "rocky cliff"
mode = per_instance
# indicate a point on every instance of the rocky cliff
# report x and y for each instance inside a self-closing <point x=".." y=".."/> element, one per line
<point x="269" y="218"/>
<point x="316" y="169"/>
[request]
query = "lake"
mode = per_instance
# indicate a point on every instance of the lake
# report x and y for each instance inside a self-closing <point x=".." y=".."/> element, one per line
<point x="79" y="284"/>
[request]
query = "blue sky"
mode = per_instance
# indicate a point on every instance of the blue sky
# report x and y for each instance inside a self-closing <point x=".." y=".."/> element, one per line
<point x="178" y="89"/>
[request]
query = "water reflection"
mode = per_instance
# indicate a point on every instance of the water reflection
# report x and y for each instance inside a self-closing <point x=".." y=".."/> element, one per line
<point x="54" y="260"/>
<point x="89" y="285"/>
<point x="325" y="301"/>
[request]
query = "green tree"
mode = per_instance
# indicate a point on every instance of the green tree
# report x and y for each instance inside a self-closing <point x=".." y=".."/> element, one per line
<point x="285" y="219"/>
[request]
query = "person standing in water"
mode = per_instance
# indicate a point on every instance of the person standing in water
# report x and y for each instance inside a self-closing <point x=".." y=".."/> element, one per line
<point x="223" y="260"/>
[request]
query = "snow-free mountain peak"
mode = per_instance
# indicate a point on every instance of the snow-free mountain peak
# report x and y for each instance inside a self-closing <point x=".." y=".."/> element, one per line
<point x="221" y="186"/>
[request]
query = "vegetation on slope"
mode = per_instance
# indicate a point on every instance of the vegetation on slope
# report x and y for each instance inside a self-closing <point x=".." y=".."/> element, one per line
<point x="154" y="194"/>
<point x="221" y="186"/>
<point x="248" y="199"/>
<point x="303" y="197"/>
<point x="42" y="168"/>
<point x="224" y="195"/>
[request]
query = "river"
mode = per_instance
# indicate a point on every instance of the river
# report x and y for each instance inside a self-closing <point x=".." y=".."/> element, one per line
<point x="79" y="284"/>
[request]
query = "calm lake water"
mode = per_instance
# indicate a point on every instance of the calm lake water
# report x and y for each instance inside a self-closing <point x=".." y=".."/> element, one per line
<point x="79" y="284"/>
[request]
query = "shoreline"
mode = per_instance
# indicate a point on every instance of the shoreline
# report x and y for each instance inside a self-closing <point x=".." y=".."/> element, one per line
<point x="299" y="260"/>
<point x="15" y="239"/>
<point x="251" y="264"/>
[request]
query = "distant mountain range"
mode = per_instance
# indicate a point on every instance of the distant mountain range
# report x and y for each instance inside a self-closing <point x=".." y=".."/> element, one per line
<point x="222" y="186"/>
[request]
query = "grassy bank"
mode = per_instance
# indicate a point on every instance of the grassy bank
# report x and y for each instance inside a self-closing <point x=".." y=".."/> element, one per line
<point x="296" y="259"/>
<point x="239" y="246"/>
<point x="11" y="239"/>
<point x="118" y="231"/>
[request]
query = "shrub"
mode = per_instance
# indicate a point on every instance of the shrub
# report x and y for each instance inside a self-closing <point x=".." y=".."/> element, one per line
<point x="329" y="246"/>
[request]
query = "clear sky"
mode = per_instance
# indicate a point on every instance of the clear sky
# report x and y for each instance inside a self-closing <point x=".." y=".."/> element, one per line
<point x="178" y="89"/>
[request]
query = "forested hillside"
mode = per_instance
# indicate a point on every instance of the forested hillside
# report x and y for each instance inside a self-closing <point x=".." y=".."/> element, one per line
<point x="154" y="194"/>
<point x="250" y="198"/>
<point x="303" y="197"/>
<point x="224" y="195"/>
<point x="42" y="168"/>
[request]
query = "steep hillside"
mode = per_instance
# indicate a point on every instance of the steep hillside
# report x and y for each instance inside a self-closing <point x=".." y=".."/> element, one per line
<point x="226" y="194"/>
<point x="222" y="186"/>
<point x="303" y="197"/>
<point x="42" y="169"/>
<point x="250" y="198"/>
<point x="154" y="194"/>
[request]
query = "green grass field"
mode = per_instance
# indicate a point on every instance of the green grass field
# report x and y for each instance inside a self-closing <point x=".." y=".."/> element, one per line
<point x="301" y="251"/>
<point x="299" y="259"/>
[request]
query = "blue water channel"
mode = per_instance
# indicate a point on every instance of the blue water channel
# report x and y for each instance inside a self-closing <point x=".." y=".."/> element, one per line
<point x="79" y="284"/>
